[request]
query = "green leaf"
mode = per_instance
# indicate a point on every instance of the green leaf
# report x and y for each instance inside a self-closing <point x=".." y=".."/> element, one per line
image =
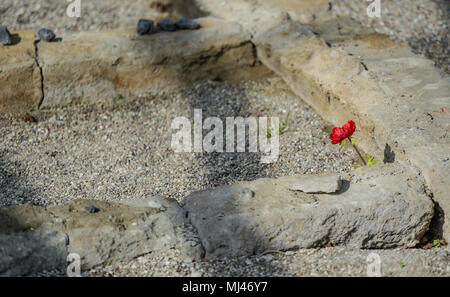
<point x="119" y="96"/>
<point x="371" y="160"/>
<point x="353" y="140"/>
<point x="344" y="142"/>
<point x="401" y="264"/>
<point x="436" y="243"/>
<point x="285" y="126"/>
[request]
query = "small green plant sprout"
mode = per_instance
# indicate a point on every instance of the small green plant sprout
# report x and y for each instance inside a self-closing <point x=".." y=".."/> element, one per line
<point x="256" y="90"/>
<point x="268" y="133"/>
<point x="284" y="127"/>
<point x="119" y="96"/>
<point x="439" y="242"/>
<point x="371" y="160"/>
<point x="401" y="264"/>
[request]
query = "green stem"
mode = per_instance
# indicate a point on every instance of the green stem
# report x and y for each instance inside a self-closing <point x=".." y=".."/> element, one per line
<point x="357" y="151"/>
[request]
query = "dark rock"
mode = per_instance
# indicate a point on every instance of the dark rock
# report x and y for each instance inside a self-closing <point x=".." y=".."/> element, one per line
<point x="187" y="24"/>
<point x="144" y="27"/>
<point x="29" y="118"/>
<point x="5" y="36"/>
<point x="389" y="154"/>
<point x="46" y="35"/>
<point x="167" y="25"/>
<point x="92" y="209"/>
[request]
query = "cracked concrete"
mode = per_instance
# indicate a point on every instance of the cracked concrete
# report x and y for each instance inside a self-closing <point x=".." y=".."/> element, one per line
<point x="40" y="71"/>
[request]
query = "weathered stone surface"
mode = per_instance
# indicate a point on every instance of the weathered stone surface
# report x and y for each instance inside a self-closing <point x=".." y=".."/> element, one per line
<point x="325" y="184"/>
<point x="25" y="253"/>
<point x="382" y="207"/>
<point x="96" y="66"/>
<point x="20" y="77"/>
<point x="400" y="90"/>
<point x="348" y="72"/>
<point x="33" y="238"/>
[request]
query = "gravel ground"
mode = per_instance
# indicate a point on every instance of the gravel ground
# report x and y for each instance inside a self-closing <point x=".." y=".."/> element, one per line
<point x="124" y="150"/>
<point x="337" y="261"/>
<point x="61" y="158"/>
<point x="424" y="24"/>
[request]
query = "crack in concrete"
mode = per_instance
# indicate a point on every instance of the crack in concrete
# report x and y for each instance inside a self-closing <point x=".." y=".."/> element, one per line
<point x="36" y="59"/>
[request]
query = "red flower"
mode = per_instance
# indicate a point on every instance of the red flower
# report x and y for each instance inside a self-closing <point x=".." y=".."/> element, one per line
<point x="341" y="133"/>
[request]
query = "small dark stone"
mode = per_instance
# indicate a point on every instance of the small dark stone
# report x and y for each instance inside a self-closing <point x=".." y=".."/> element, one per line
<point x="389" y="154"/>
<point x="167" y="25"/>
<point x="187" y="24"/>
<point x="144" y="27"/>
<point x="29" y="118"/>
<point x="92" y="209"/>
<point x="46" y="35"/>
<point x="5" y="36"/>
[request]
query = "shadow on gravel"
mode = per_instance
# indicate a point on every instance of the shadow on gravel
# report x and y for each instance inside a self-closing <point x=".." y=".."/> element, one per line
<point x="223" y="168"/>
<point x="11" y="181"/>
<point x="23" y="250"/>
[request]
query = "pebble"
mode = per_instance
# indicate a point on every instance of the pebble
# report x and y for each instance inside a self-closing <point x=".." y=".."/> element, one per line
<point x="5" y="36"/>
<point x="144" y="27"/>
<point x="92" y="209"/>
<point x="46" y="35"/>
<point x="268" y="258"/>
<point x="167" y="25"/>
<point x="187" y="24"/>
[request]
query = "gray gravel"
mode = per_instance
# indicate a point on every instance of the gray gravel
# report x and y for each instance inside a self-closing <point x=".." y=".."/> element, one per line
<point x="337" y="261"/>
<point x="424" y="24"/>
<point x="123" y="150"/>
